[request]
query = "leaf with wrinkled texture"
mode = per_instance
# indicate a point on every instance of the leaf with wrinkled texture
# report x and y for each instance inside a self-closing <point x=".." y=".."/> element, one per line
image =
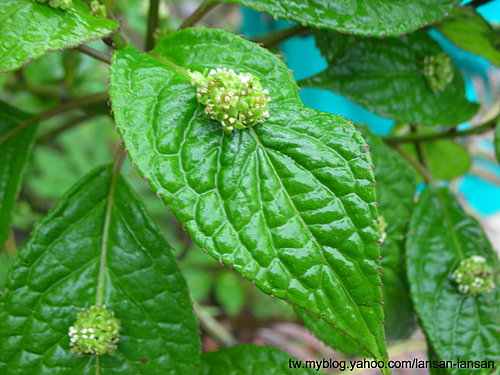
<point x="14" y="153"/>
<point x="98" y="228"/>
<point x="385" y="76"/>
<point x="365" y="17"/>
<point x="29" y="29"/>
<point x="441" y="235"/>
<point x="396" y="185"/>
<point x="250" y="360"/>
<point x="467" y="29"/>
<point x="289" y="204"/>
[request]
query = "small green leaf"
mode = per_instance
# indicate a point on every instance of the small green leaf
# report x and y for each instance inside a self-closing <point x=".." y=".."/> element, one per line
<point x="230" y="293"/>
<point x="364" y="17"/>
<point x="396" y="184"/>
<point x="289" y="204"/>
<point x="441" y="235"/>
<point x="14" y="153"/>
<point x="446" y="159"/>
<point x="470" y="31"/>
<point x="97" y="246"/>
<point x="29" y="29"/>
<point x="387" y="77"/>
<point x="252" y="360"/>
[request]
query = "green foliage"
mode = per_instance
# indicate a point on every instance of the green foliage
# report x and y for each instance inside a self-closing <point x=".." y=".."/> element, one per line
<point x="250" y="360"/>
<point x="289" y="204"/>
<point x="310" y="208"/>
<point x="30" y="29"/>
<point x="467" y="29"/>
<point x="387" y="77"/>
<point x="446" y="159"/>
<point x="365" y="17"/>
<point x="14" y="152"/>
<point x="441" y="234"/>
<point x="97" y="246"/>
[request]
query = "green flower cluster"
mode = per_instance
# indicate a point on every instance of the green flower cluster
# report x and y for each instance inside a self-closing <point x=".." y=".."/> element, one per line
<point x="96" y="331"/>
<point x="438" y="71"/>
<point x="235" y="100"/>
<point x="98" y="9"/>
<point x="474" y="276"/>
<point x="58" y="4"/>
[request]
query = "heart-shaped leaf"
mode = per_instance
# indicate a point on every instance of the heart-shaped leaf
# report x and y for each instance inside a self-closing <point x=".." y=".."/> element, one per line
<point x="458" y="326"/>
<point x="97" y="246"/>
<point x="387" y="77"/>
<point x="365" y="17"/>
<point x="30" y="29"/>
<point x="289" y="204"/>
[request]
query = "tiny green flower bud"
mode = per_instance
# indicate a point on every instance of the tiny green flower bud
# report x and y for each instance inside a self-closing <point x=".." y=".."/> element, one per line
<point x="438" y="71"/>
<point x="96" y="331"/>
<point x="235" y="100"/>
<point x="58" y="4"/>
<point x="382" y="226"/>
<point x="98" y="9"/>
<point x="474" y="276"/>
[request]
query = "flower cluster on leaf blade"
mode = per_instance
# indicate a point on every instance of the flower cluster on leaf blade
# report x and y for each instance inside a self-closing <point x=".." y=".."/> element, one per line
<point x="438" y="71"/>
<point x="235" y="100"/>
<point x="96" y="331"/>
<point x="58" y="4"/>
<point x="474" y="276"/>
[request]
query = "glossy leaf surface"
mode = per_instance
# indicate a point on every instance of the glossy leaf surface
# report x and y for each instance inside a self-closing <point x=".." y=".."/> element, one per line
<point x="251" y="360"/>
<point x="14" y="153"/>
<point x="386" y="77"/>
<point x="441" y="235"/>
<point x="396" y="185"/>
<point x="30" y="29"/>
<point x="467" y="29"/>
<point x="97" y="243"/>
<point x="289" y="204"/>
<point x="365" y="17"/>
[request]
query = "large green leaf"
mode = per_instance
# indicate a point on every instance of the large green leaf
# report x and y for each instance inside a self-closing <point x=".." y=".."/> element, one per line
<point x="396" y="184"/>
<point x="253" y="360"/>
<point x="14" y="152"/>
<point x="29" y="29"/>
<point x="365" y="17"/>
<point x="97" y="243"/>
<point x="441" y="235"/>
<point x="470" y="31"/>
<point x="386" y="77"/>
<point x="289" y="204"/>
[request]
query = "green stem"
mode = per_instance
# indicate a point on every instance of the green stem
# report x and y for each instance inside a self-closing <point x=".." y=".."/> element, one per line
<point x="213" y="327"/>
<point x="436" y="136"/>
<point x="415" y="164"/>
<point x="70" y="124"/>
<point x="276" y="37"/>
<point x="98" y="55"/>
<point x="198" y="14"/>
<point x="119" y="158"/>
<point x="154" y="6"/>
<point x="52" y="112"/>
